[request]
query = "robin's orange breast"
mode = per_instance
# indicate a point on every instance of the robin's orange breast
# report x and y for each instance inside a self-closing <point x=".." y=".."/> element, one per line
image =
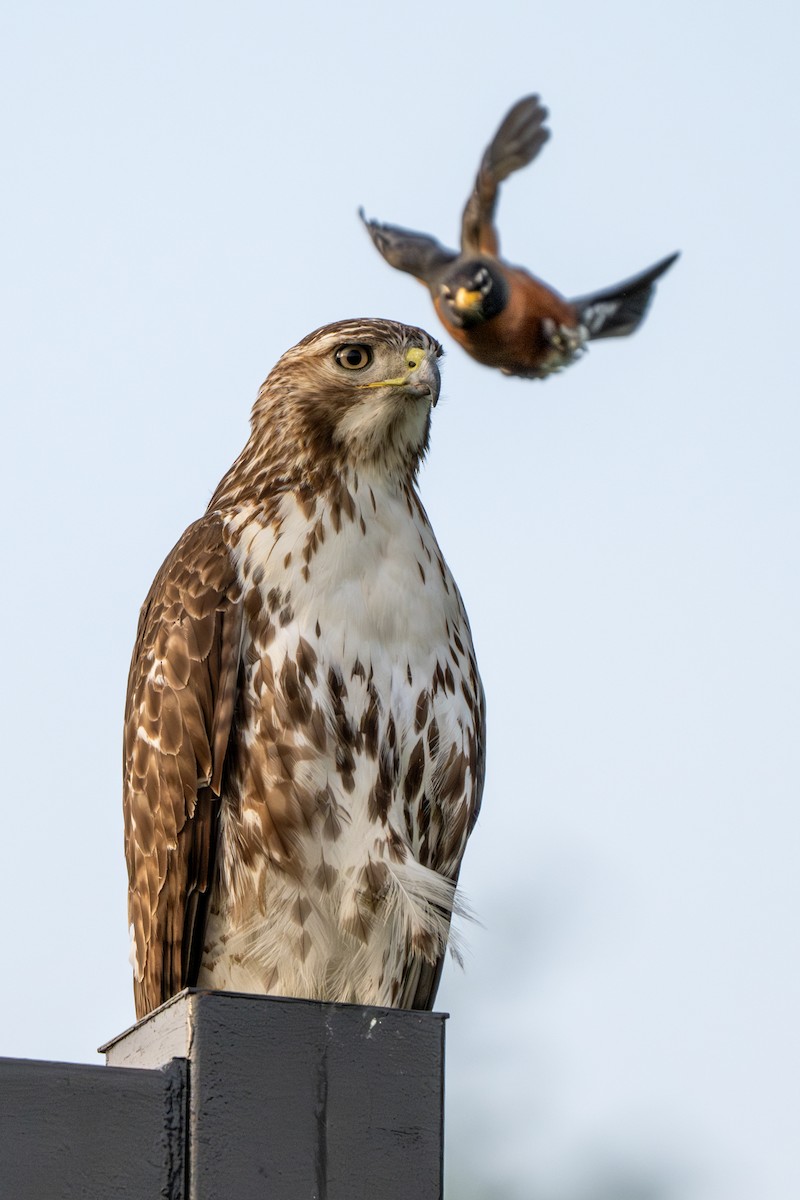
<point x="514" y="340"/>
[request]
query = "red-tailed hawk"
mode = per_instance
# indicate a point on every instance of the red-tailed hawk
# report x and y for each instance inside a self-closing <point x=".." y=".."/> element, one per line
<point x="304" y="729"/>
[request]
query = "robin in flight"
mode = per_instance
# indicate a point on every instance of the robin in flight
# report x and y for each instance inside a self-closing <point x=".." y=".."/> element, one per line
<point x="503" y="316"/>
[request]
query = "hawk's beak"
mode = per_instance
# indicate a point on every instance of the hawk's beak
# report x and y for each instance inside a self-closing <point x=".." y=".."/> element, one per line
<point x="421" y="377"/>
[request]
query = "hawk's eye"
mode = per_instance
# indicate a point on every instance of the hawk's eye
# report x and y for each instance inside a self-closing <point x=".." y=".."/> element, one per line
<point x="354" y="357"/>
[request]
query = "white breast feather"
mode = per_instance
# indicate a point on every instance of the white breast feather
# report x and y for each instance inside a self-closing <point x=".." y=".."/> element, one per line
<point x="366" y="595"/>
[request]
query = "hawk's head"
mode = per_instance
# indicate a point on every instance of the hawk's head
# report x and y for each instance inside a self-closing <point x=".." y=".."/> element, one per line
<point x="355" y="393"/>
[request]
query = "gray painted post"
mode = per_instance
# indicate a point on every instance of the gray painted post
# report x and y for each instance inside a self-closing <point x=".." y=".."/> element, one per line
<point x="297" y="1100"/>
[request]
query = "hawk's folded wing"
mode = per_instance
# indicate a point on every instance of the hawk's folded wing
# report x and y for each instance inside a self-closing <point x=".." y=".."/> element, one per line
<point x="181" y="696"/>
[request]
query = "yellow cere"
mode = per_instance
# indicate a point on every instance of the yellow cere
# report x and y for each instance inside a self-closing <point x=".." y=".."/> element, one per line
<point x="413" y="359"/>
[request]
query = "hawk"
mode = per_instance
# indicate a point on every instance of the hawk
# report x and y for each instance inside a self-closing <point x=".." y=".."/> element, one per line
<point x="304" y="726"/>
<point x="501" y="315"/>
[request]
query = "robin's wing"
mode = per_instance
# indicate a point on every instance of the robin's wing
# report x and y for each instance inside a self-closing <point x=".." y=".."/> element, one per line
<point x="416" y="253"/>
<point x="178" y="714"/>
<point x="516" y="143"/>
<point x="620" y="309"/>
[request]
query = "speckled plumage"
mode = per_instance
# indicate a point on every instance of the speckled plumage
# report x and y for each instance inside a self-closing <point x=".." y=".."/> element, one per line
<point x="304" y="738"/>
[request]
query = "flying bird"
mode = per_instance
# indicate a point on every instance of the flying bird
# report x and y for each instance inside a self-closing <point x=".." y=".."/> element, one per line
<point x="304" y="726"/>
<point x="502" y="315"/>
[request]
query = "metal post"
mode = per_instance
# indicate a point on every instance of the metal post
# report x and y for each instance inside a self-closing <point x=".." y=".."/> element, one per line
<point x="297" y="1100"/>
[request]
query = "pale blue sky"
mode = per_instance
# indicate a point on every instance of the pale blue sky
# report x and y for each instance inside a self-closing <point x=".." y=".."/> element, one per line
<point x="179" y="207"/>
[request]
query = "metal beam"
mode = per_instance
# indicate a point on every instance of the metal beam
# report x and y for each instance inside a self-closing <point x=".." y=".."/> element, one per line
<point x="91" y="1133"/>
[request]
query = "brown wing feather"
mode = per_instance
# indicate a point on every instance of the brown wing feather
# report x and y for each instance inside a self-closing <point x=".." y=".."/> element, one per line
<point x="178" y="714"/>
<point x="519" y="139"/>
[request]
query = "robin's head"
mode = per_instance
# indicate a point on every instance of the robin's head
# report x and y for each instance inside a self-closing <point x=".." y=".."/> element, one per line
<point x="474" y="292"/>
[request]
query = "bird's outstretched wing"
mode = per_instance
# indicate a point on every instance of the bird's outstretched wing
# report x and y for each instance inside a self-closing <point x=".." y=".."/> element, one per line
<point x="618" y="310"/>
<point x="416" y="253"/>
<point x="516" y="143"/>
<point x="178" y="714"/>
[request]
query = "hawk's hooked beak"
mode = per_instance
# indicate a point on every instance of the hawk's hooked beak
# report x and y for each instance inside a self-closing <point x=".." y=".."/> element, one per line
<point x="421" y="377"/>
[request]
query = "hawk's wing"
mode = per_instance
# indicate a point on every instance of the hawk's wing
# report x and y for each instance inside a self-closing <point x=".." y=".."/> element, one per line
<point x="422" y="978"/>
<point x="179" y="708"/>
<point x="516" y="143"/>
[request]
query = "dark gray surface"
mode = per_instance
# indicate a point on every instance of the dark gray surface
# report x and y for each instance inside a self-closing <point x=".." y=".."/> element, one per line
<point x="297" y="1100"/>
<point x="264" y="1098"/>
<point x="98" y="1133"/>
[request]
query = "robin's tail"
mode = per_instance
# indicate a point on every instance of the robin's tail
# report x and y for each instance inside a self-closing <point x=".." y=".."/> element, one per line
<point x="619" y="310"/>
